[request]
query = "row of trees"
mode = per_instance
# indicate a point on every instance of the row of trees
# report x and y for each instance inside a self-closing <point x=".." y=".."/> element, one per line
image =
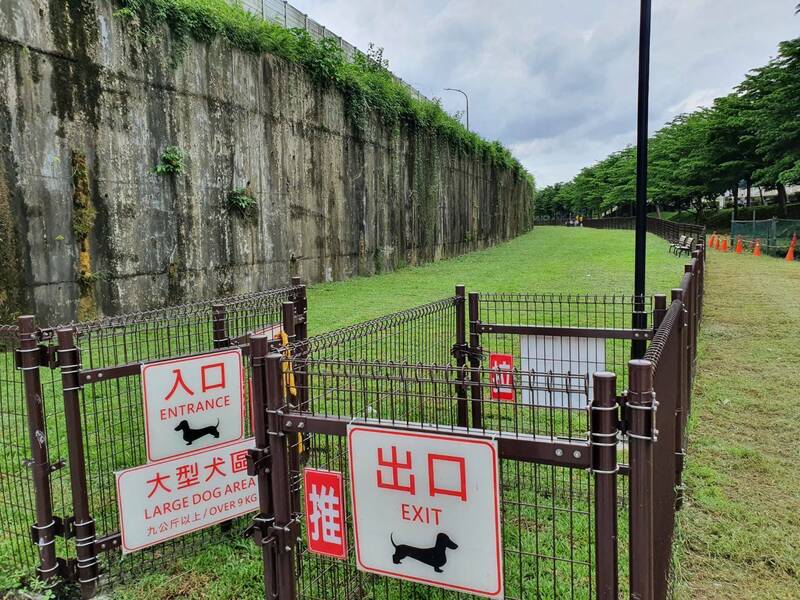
<point x="751" y="135"/>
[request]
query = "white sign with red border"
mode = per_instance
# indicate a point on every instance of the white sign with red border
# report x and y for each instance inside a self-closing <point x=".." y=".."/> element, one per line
<point x="501" y="377"/>
<point x="426" y="508"/>
<point x="325" y="523"/>
<point x="193" y="403"/>
<point x="166" y="500"/>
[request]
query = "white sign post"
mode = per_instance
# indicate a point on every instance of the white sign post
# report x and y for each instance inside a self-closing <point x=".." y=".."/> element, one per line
<point x="165" y="500"/>
<point x="426" y="508"/>
<point x="192" y="403"/>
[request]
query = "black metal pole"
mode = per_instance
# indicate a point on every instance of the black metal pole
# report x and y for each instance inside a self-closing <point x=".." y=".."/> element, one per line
<point x="639" y="316"/>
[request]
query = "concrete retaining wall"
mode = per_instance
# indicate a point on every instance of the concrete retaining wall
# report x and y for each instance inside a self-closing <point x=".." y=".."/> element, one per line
<point x="331" y="205"/>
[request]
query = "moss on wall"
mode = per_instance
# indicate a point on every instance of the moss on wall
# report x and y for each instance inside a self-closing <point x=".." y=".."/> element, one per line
<point x="11" y="272"/>
<point x="83" y="218"/>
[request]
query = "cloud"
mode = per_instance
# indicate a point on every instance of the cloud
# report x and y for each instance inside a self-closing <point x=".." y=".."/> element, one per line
<point x="556" y="81"/>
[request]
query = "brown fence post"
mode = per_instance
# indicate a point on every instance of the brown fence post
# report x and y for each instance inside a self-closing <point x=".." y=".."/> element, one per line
<point x="258" y="465"/>
<point x="285" y="528"/>
<point x="689" y="302"/>
<point x="219" y="338"/>
<point x="294" y="402"/>
<point x="301" y="353"/>
<point x="460" y="352"/>
<point x="84" y="526"/>
<point x="219" y="326"/>
<point x="682" y="411"/>
<point x="659" y="310"/>
<point x="45" y="529"/>
<point x="641" y="435"/>
<point x="603" y="428"/>
<point x="475" y="352"/>
<point x="301" y="335"/>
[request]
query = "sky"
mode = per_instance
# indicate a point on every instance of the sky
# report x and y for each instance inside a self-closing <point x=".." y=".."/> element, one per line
<point x="556" y="80"/>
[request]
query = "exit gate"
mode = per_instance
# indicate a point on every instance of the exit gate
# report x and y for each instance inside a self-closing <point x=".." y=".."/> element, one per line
<point x="574" y="452"/>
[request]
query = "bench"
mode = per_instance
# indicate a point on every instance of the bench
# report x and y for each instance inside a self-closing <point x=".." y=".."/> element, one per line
<point x="673" y="247"/>
<point x="687" y="247"/>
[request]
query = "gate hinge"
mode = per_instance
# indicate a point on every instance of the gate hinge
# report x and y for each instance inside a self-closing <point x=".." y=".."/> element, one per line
<point x="61" y="570"/>
<point x="650" y="433"/>
<point x="286" y="536"/>
<point x="54" y="528"/>
<point x="46" y="356"/>
<point x="69" y="528"/>
<point x="258" y="461"/>
<point x="459" y="350"/>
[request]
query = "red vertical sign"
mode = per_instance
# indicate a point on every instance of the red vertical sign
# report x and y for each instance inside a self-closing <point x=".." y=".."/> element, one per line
<point x="324" y="501"/>
<point x="501" y="377"/>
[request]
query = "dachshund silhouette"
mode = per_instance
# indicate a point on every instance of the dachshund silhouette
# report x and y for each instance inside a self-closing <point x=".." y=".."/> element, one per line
<point x="190" y="435"/>
<point x="435" y="557"/>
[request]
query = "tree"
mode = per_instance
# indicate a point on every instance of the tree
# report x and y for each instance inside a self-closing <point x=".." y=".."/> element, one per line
<point x="771" y="96"/>
<point x="750" y="135"/>
<point x="731" y="146"/>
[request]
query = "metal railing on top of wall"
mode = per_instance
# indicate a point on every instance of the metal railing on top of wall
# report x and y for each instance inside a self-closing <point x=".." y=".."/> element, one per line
<point x="283" y="13"/>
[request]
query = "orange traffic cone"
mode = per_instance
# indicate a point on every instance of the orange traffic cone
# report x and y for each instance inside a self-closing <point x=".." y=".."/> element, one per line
<point x="757" y="249"/>
<point x="790" y="254"/>
<point x="739" y="246"/>
<point x="713" y="239"/>
<point x="715" y="243"/>
<point x="724" y="244"/>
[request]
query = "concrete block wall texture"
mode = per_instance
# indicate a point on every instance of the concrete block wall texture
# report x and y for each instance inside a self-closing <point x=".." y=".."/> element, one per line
<point x="78" y="88"/>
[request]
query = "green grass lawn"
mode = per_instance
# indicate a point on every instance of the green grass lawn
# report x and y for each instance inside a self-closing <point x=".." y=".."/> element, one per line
<point x="549" y="259"/>
<point x="739" y="534"/>
<point x="565" y="260"/>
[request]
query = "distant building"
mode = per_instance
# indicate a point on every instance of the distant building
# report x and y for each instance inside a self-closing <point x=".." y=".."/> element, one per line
<point x="760" y="195"/>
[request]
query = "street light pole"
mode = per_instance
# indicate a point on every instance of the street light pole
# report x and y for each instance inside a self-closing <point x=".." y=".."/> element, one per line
<point x="639" y="316"/>
<point x="465" y="96"/>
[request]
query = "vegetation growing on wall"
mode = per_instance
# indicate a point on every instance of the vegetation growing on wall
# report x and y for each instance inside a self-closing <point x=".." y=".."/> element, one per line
<point x="241" y="202"/>
<point x="366" y="83"/>
<point x="83" y="217"/>
<point x="172" y="161"/>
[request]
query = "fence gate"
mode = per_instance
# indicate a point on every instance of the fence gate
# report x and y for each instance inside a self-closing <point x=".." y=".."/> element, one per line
<point x="72" y="417"/>
<point x="517" y="468"/>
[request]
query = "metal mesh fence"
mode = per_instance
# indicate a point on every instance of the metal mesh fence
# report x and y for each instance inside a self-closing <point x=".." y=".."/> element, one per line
<point x="427" y="367"/>
<point x="17" y="502"/>
<point x="547" y="511"/>
<point x="579" y="336"/>
<point x="774" y="235"/>
<point x="112" y="413"/>
<point x="423" y="334"/>
<point x="16" y="491"/>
